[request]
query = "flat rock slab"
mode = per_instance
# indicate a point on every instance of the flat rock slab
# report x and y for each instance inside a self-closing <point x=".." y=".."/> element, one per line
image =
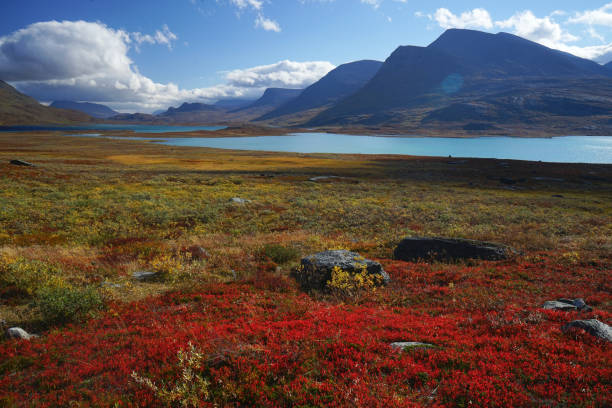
<point x="593" y="327"/>
<point x="567" y="304"/>
<point x="415" y="249"/>
<point x="407" y="345"/>
<point x="316" y="270"/>
<point x="145" y="276"/>
<point x="17" y="162"/>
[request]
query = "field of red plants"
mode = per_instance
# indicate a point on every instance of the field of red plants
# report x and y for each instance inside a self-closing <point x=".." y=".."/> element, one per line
<point x="231" y="328"/>
<point x="265" y="344"/>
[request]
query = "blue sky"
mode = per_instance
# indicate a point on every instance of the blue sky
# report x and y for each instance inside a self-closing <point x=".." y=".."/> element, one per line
<point x="145" y="55"/>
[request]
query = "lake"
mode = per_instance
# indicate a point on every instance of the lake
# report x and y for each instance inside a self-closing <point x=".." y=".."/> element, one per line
<point x="567" y="149"/>
<point x="101" y="127"/>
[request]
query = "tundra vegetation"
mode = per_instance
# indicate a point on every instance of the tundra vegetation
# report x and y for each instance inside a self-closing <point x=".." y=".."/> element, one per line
<point x="223" y="324"/>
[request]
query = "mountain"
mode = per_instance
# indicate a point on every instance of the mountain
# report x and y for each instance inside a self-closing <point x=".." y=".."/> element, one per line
<point x="273" y="98"/>
<point x="489" y="76"/>
<point x="92" y="109"/>
<point x="190" y="108"/>
<point x="609" y="66"/>
<point x="233" y="103"/>
<point x="337" y="84"/>
<point x="19" y="109"/>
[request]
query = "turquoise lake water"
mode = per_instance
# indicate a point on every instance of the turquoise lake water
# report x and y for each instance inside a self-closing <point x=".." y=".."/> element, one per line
<point x="133" y="128"/>
<point x="567" y="149"/>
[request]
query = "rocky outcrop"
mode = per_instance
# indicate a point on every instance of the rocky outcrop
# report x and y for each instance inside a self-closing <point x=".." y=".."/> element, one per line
<point x="414" y="249"/>
<point x="17" y="162"/>
<point x="316" y="270"/>
<point x="593" y="327"/>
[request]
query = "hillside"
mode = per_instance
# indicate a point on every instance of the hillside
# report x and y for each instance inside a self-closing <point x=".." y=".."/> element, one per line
<point x="19" y="109"/>
<point x="95" y="110"/>
<point x="273" y="98"/>
<point x="337" y="84"/>
<point x="493" y="78"/>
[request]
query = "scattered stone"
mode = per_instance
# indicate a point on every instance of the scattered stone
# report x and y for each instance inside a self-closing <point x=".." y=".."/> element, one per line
<point x="557" y="196"/>
<point x="509" y="181"/>
<point x="197" y="253"/>
<point x="316" y="270"/>
<point x="330" y="179"/>
<point x="567" y="304"/>
<point x="559" y="180"/>
<point x="145" y="276"/>
<point x="238" y="200"/>
<point x="413" y="249"/>
<point x="18" y="162"/>
<point x="19" y="333"/>
<point x="593" y="327"/>
<point x="407" y="345"/>
<point x="110" y="285"/>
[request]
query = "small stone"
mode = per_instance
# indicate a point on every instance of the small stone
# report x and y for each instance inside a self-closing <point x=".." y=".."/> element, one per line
<point x="145" y="275"/>
<point x="593" y="327"/>
<point x="406" y="345"/>
<point x="238" y="200"/>
<point x="110" y="285"/>
<point x="19" y="333"/>
<point x="557" y="305"/>
<point x="18" y="162"/>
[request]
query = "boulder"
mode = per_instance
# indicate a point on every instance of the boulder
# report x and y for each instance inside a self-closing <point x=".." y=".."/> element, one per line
<point x="593" y="327"/>
<point x="407" y="345"/>
<point x="567" y="304"/>
<point x="19" y="333"/>
<point x="414" y="249"/>
<point x="18" y="162"/>
<point x="145" y="276"/>
<point x="316" y="270"/>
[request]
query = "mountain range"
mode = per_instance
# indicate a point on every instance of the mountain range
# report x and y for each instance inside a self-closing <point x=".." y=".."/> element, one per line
<point x="92" y="109"/>
<point x="465" y="81"/>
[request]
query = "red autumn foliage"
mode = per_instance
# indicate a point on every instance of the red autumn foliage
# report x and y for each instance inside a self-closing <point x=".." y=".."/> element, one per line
<point x="269" y="345"/>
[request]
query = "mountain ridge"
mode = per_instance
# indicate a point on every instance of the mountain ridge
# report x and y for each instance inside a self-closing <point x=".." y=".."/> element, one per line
<point x="95" y="110"/>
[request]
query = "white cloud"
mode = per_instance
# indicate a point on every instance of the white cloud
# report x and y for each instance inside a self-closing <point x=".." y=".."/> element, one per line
<point x="267" y="24"/>
<point x="282" y="74"/>
<point x="543" y="30"/>
<point x="89" y="61"/>
<point x="477" y="18"/>
<point x="601" y="16"/>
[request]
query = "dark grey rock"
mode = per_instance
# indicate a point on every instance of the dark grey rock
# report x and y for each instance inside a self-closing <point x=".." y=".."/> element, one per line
<point x="315" y="270"/>
<point x="407" y="345"/>
<point x="567" y="304"/>
<point x="593" y="327"/>
<point x="18" y="162"/>
<point x="145" y="275"/>
<point x="19" y="333"/>
<point x="445" y="249"/>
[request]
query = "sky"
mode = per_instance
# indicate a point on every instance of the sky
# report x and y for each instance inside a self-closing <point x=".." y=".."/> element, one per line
<point x="143" y="56"/>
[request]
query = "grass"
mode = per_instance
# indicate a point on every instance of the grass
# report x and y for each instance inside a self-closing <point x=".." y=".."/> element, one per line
<point x="94" y="211"/>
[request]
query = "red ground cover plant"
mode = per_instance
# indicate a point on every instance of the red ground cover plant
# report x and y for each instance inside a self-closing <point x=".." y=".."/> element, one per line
<point x="268" y="345"/>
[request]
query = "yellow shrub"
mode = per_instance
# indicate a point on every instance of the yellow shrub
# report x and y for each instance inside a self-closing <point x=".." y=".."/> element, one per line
<point x="29" y="276"/>
<point x="352" y="285"/>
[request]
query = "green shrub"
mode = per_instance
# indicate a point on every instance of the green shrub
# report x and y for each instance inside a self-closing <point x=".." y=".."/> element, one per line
<point x="28" y="276"/>
<point x="66" y="304"/>
<point x="280" y="254"/>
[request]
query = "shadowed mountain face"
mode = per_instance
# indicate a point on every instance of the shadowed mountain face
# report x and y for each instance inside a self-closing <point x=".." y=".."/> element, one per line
<point x="273" y="98"/>
<point x="234" y="103"/>
<point x="191" y="107"/>
<point x="337" y="84"/>
<point x="19" y="109"/>
<point x="92" y="109"/>
<point x="467" y="73"/>
<point x="609" y="66"/>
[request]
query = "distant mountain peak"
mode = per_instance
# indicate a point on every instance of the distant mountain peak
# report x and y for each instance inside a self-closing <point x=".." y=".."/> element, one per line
<point x="273" y="98"/>
<point x="191" y="107"/>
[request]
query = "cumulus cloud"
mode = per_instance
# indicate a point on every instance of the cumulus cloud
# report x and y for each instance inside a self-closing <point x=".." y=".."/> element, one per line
<point x="477" y="18"/>
<point x="89" y="61"/>
<point x="601" y="16"/>
<point x="543" y="30"/>
<point x="282" y="74"/>
<point x="267" y="24"/>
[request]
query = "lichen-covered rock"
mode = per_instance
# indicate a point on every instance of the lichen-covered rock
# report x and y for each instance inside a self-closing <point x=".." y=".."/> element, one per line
<point x="145" y="276"/>
<point x="567" y="304"/>
<point x="593" y="327"/>
<point x="19" y="333"/>
<point x="414" y="249"/>
<point x="315" y="271"/>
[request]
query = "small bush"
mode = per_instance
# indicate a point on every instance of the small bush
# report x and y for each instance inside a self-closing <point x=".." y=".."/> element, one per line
<point x="280" y="254"/>
<point x="65" y="304"/>
<point x="28" y="276"/>
<point x="352" y="285"/>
